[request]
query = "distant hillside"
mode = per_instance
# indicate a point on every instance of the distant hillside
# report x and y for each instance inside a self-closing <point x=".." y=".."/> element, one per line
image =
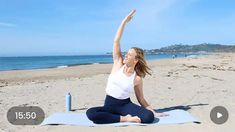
<point x="198" y="48"/>
<point x="180" y="48"/>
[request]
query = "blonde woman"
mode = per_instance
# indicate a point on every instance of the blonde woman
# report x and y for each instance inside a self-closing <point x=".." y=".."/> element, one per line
<point x="126" y="76"/>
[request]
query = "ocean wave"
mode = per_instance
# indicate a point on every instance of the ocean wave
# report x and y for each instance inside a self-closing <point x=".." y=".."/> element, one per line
<point x="192" y="56"/>
<point x="64" y="66"/>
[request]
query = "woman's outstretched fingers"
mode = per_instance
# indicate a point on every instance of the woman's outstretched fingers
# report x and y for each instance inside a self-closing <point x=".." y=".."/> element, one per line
<point x="132" y="12"/>
<point x="156" y="114"/>
<point x="129" y="16"/>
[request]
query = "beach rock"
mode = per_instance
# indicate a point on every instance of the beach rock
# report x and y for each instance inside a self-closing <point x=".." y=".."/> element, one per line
<point x="190" y="66"/>
<point x="169" y="74"/>
<point x="216" y="79"/>
<point x="196" y="76"/>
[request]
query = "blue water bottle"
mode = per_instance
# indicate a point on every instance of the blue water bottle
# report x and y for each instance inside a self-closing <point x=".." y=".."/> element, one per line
<point x="68" y="102"/>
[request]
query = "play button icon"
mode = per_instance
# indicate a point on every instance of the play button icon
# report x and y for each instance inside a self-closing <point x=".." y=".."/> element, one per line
<point x="219" y="115"/>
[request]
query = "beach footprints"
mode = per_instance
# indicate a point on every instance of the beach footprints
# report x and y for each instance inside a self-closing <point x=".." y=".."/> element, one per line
<point x="184" y="67"/>
<point x="3" y="83"/>
<point x="231" y="69"/>
<point x="172" y="73"/>
<point x="221" y="67"/>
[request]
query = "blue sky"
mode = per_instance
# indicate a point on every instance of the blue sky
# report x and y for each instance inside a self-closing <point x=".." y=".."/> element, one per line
<point x="75" y="27"/>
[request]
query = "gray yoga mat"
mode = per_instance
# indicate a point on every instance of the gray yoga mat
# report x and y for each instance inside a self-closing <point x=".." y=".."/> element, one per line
<point x="72" y="118"/>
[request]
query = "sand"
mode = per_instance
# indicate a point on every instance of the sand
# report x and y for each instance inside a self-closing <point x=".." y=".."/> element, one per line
<point x="197" y="83"/>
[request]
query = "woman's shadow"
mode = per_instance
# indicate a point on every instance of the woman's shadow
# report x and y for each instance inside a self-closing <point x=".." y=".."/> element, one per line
<point x="178" y="107"/>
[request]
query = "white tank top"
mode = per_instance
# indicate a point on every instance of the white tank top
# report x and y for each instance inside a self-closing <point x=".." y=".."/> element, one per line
<point x="119" y="85"/>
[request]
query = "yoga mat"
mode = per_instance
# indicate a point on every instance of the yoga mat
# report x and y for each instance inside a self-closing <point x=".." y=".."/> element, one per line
<point x="72" y="118"/>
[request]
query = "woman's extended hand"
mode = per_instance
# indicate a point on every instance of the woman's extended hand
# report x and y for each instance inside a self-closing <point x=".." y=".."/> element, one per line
<point x="157" y="114"/>
<point x="129" y="16"/>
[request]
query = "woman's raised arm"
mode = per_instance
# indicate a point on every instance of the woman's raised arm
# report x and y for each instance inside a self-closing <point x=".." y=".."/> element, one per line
<point x="117" y="56"/>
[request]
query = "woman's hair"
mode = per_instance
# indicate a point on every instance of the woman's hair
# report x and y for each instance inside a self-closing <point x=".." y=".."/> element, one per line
<point x="141" y="67"/>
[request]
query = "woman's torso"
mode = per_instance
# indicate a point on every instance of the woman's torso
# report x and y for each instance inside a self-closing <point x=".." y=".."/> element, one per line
<point x="120" y="85"/>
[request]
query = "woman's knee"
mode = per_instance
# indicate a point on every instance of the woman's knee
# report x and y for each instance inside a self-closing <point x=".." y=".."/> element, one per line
<point x="148" y="117"/>
<point x="91" y="113"/>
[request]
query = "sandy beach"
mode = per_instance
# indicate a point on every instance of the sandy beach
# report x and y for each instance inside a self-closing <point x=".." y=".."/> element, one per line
<point x="197" y="83"/>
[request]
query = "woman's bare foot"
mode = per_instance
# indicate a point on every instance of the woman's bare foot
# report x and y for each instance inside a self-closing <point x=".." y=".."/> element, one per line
<point x="157" y="114"/>
<point x="129" y="118"/>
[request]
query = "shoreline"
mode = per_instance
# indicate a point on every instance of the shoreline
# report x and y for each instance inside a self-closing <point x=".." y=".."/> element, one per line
<point x="52" y="70"/>
<point x="19" y="77"/>
<point x="31" y="75"/>
<point x="74" y="65"/>
<point x="91" y="63"/>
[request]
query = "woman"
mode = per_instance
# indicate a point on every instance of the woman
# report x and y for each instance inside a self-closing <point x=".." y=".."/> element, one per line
<point x="126" y="76"/>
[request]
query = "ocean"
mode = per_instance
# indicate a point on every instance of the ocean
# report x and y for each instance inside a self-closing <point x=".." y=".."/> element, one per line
<point x="42" y="62"/>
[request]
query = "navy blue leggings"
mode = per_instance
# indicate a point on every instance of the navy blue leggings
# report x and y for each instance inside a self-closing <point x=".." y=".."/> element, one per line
<point x="114" y="108"/>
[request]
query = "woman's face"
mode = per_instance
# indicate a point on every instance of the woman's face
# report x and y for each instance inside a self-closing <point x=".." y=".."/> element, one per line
<point x="130" y="58"/>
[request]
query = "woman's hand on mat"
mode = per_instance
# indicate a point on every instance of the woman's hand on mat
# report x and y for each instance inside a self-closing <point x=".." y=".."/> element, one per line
<point x="157" y="114"/>
<point x="129" y="16"/>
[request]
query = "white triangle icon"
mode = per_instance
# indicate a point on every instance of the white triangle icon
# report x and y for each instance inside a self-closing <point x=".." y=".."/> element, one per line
<point x="219" y="115"/>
